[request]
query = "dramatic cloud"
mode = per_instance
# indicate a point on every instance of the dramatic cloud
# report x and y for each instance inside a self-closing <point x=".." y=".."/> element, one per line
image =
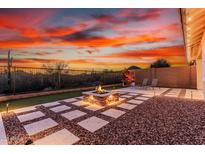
<point x="160" y="52"/>
<point x="91" y="38"/>
<point x="128" y="15"/>
<point x="83" y="39"/>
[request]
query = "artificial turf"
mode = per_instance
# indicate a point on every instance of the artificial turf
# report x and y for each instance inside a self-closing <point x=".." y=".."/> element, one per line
<point x="15" y="104"/>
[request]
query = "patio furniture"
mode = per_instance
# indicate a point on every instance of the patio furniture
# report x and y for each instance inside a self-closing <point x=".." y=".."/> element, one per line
<point x="144" y="83"/>
<point x="154" y="83"/>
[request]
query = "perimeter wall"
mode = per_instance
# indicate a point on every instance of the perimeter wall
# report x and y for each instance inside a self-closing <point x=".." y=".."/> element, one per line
<point x="173" y="77"/>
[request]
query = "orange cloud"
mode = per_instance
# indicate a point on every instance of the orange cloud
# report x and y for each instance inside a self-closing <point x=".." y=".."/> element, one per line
<point x="30" y="32"/>
<point x="21" y="43"/>
<point x="23" y="24"/>
<point x="162" y="52"/>
<point x="39" y="27"/>
<point x="60" y="31"/>
<point x="117" y="41"/>
<point x="172" y="27"/>
<point x="29" y="62"/>
<point x="25" y="21"/>
<point x="89" y="64"/>
<point x="94" y="42"/>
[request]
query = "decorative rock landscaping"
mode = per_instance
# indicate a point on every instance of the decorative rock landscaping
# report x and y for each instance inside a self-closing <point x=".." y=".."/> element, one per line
<point x="139" y="119"/>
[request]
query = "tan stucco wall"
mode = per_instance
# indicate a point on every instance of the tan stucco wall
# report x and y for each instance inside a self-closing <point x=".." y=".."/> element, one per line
<point x="199" y="74"/>
<point x="203" y="62"/>
<point x="178" y="77"/>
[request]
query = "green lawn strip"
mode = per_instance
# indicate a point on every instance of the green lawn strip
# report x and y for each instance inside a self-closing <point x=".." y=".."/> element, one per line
<point x="15" y="104"/>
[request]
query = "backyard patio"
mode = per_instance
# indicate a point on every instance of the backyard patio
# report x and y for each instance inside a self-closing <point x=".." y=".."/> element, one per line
<point x="141" y="116"/>
<point x="104" y="78"/>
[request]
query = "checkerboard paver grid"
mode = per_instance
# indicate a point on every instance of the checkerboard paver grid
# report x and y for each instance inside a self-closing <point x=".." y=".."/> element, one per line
<point x="30" y="116"/>
<point x="80" y="97"/>
<point x="73" y="114"/>
<point x="133" y="101"/>
<point x="173" y="93"/>
<point x="133" y="94"/>
<point x="80" y="103"/>
<point x="142" y="98"/>
<point x="60" y="108"/>
<point x="114" y="113"/>
<point x="122" y="99"/>
<point x="70" y="100"/>
<point x="93" y="123"/>
<point x="51" y="104"/>
<point x="33" y="107"/>
<point x="148" y="95"/>
<point x="93" y="107"/>
<point x="39" y="126"/>
<point x="126" y="96"/>
<point x="122" y="92"/>
<point x="194" y="94"/>
<point x="127" y="106"/>
<point x="25" y="109"/>
<point x="62" y="137"/>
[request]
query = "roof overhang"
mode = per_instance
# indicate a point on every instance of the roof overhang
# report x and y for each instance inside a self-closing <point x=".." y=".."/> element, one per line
<point x="193" y="22"/>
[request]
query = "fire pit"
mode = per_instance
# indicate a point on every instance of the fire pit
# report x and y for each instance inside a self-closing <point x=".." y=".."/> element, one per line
<point x="101" y="97"/>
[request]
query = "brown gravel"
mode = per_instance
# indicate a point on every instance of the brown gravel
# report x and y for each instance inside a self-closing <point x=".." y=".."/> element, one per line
<point x="160" y="120"/>
<point x="15" y="132"/>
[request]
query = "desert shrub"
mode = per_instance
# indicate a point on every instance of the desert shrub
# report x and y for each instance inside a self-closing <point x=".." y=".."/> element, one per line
<point x="38" y="80"/>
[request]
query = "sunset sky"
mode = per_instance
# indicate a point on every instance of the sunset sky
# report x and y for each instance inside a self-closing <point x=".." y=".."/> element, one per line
<point x="91" y="38"/>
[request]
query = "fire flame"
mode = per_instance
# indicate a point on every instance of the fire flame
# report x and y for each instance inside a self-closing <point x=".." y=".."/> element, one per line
<point x="99" y="89"/>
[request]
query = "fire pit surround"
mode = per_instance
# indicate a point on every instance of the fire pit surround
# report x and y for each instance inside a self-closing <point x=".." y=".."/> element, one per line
<point x="101" y="96"/>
